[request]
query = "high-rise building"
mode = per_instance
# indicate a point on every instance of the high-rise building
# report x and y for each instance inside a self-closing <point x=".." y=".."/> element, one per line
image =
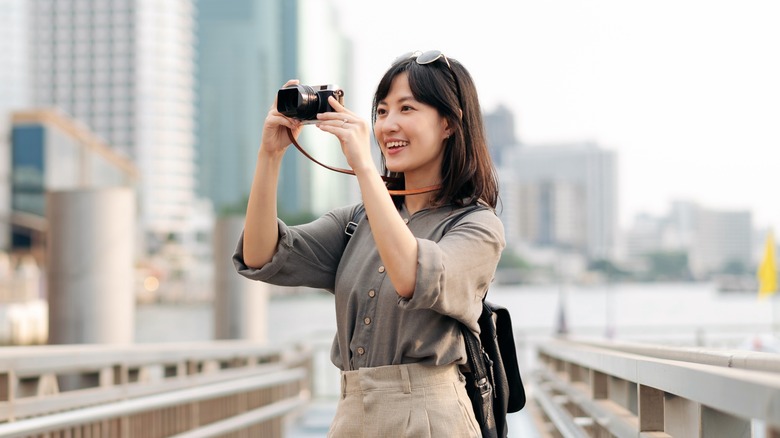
<point x="324" y="57"/>
<point x="14" y="94"/>
<point x="562" y="196"/>
<point x="720" y="239"/>
<point x="500" y="131"/>
<point x="247" y="49"/>
<point x="125" y="68"/>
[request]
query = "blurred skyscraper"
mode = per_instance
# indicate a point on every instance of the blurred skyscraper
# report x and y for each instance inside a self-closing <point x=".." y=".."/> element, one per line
<point x="562" y="196"/>
<point x="125" y="68"/>
<point x="722" y="240"/>
<point x="14" y="94"/>
<point x="325" y="57"/>
<point x="500" y="127"/>
<point x="714" y="241"/>
<point x="247" y="49"/>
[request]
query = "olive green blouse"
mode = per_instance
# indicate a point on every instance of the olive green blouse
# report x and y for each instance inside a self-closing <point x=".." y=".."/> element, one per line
<point x="375" y="325"/>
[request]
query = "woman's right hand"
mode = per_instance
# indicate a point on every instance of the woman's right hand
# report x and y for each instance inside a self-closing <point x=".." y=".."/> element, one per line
<point x="275" y="139"/>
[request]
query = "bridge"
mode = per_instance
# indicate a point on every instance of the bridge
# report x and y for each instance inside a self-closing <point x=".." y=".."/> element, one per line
<point x="579" y="388"/>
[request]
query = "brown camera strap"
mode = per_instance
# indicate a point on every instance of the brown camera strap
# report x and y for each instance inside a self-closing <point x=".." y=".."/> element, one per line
<point x="350" y="172"/>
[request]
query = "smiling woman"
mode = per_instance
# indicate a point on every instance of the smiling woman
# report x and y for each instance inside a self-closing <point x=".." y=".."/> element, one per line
<point x="402" y="287"/>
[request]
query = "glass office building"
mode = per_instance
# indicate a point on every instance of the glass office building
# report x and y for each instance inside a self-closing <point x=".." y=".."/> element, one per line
<point x="126" y="69"/>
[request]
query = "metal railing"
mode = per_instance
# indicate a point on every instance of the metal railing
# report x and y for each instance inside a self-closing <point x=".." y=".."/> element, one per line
<point x="609" y="389"/>
<point x="152" y="390"/>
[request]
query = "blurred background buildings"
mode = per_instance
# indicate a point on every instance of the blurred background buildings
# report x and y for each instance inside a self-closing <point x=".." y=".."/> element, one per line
<point x="169" y="98"/>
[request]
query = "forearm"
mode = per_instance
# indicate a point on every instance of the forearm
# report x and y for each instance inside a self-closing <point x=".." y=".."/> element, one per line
<point x="397" y="245"/>
<point x="261" y="233"/>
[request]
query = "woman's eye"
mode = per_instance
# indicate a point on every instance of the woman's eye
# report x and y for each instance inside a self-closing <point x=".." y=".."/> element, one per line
<point x="406" y="108"/>
<point x="381" y="111"/>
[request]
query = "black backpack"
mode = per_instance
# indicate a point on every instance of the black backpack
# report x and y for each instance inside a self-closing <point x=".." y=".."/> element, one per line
<point x="493" y="381"/>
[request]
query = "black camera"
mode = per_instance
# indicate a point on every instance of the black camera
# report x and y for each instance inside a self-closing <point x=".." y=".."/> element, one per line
<point x="304" y="102"/>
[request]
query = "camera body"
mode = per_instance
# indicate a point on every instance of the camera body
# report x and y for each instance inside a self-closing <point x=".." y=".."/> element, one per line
<point x="304" y="102"/>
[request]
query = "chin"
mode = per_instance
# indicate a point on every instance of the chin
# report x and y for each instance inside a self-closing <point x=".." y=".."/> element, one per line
<point x="395" y="169"/>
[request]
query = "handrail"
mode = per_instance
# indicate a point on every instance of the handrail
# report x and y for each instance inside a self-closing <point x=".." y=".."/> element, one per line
<point x="631" y="389"/>
<point x="95" y="390"/>
<point x="48" y="423"/>
<point x="742" y="359"/>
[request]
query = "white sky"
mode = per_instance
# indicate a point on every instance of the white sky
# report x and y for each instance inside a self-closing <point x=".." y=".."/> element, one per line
<point x="686" y="91"/>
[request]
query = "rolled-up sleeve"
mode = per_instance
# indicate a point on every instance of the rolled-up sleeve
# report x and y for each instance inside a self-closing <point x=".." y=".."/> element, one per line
<point x="454" y="273"/>
<point x="306" y="255"/>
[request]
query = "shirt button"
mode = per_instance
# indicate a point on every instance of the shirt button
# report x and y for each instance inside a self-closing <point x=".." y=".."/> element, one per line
<point x="381" y="269"/>
<point x="372" y="293"/>
<point x="367" y="321"/>
<point x="361" y="350"/>
<point x="406" y="220"/>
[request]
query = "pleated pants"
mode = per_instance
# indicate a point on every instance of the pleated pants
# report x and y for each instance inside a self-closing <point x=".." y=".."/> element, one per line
<point x="404" y="401"/>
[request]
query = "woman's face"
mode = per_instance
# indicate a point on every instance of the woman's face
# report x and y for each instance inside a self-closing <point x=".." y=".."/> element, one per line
<point x="411" y="134"/>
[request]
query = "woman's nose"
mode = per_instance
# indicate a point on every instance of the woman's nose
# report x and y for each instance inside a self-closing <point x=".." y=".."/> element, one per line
<point x="390" y="123"/>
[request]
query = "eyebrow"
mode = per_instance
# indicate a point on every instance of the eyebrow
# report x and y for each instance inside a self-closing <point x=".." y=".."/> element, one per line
<point x="401" y="100"/>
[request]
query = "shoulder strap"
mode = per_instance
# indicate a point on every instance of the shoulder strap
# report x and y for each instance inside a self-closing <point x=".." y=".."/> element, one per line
<point x="460" y="214"/>
<point x="360" y="213"/>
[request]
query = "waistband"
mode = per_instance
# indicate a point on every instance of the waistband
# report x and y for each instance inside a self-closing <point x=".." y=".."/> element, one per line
<point x="398" y="377"/>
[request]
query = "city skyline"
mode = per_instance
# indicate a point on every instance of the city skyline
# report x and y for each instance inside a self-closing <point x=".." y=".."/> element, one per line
<point x="685" y="92"/>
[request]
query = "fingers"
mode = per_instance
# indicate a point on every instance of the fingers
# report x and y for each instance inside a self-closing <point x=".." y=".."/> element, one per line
<point x="276" y="118"/>
<point x="289" y="83"/>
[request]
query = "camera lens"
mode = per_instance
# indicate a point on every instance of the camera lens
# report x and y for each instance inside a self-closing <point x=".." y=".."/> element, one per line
<point x="298" y="101"/>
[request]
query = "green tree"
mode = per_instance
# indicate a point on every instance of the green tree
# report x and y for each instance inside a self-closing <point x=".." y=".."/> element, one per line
<point x="609" y="269"/>
<point x="668" y="265"/>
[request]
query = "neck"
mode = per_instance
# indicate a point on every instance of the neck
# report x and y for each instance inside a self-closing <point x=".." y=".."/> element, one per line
<point x="415" y="203"/>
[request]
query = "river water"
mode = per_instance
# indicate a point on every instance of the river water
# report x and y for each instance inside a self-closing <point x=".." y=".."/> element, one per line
<point x="682" y="313"/>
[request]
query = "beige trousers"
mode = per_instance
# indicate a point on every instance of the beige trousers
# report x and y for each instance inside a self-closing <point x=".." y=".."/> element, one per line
<point x="404" y="401"/>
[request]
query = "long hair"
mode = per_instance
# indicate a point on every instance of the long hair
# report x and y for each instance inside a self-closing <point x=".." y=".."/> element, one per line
<point x="467" y="171"/>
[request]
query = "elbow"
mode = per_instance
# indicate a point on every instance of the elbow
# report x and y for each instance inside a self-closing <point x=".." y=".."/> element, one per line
<point x="405" y="289"/>
<point x="255" y="261"/>
<point x="405" y="293"/>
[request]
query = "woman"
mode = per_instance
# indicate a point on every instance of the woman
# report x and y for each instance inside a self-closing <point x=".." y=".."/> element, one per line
<point x="401" y="285"/>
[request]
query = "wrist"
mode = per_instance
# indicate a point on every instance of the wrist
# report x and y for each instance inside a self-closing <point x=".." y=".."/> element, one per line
<point x="365" y="169"/>
<point x="273" y="155"/>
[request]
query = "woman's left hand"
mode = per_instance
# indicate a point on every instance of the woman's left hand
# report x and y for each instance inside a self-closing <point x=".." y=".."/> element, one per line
<point x="353" y="133"/>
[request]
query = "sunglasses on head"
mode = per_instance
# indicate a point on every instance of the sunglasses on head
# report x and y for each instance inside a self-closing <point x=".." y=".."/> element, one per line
<point x="424" y="58"/>
<point x="429" y="57"/>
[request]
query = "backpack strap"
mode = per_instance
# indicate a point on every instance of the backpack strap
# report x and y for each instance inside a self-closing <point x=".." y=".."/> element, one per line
<point x="352" y="225"/>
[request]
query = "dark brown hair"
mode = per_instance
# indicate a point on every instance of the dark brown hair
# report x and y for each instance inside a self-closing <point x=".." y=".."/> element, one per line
<point x="467" y="170"/>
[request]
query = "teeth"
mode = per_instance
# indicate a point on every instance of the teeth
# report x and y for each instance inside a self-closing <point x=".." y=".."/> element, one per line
<point x="395" y="144"/>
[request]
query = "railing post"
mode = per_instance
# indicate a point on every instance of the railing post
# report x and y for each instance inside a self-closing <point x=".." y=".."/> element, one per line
<point x="682" y="417"/>
<point x="622" y="392"/>
<point x="716" y="424"/>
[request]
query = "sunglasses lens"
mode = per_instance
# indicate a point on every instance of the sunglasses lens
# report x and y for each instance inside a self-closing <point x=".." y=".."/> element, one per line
<point x="429" y="57"/>
<point x="405" y="56"/>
